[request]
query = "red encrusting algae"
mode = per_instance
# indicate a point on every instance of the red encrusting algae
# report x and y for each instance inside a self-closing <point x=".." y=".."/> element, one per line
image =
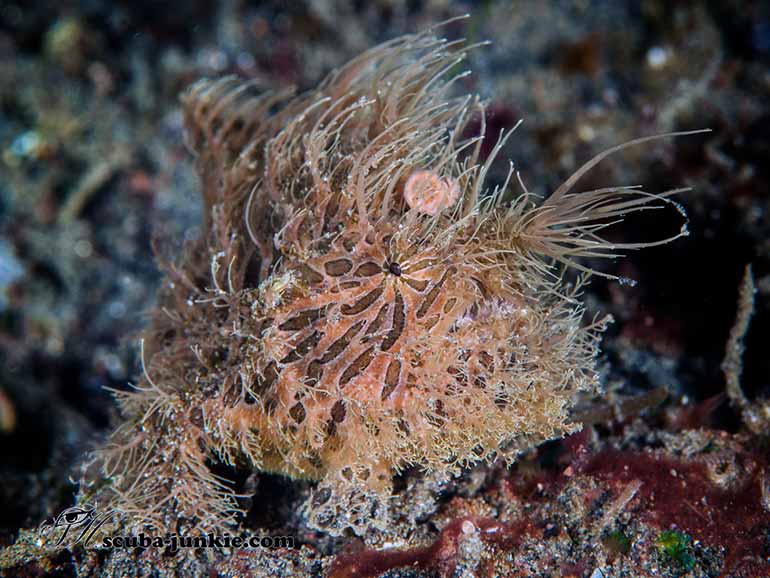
<point x="440" y="556"/>
<point x="684" y="495"/>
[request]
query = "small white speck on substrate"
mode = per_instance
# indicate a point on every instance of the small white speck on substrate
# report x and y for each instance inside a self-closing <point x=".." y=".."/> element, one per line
<point x="468" y="527"/>
<point x="586" y="133"/>
<point x="657" y="57"/>
<point x="26" y="143"/>
<point x="387" y="545"/>
<point x="245" y="60"/>
<point x="83" y="249"/>
<point x="116" y="309"/>
<point x="610" y="96"/>
<point x="213" y="58"/>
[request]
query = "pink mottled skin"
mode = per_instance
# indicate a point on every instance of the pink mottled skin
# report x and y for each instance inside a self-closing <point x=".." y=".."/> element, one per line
<point x="428" y="193"/>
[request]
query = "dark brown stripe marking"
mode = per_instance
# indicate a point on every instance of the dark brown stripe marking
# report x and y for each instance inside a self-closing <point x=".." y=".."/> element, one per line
<point x="342" y="343"/>
<point x="264" y="325"/>
<point x="310" y="275"/>
<point x="297" y="412"/>
<point x="432" y="295"/>
<point x="482" y="288"/>
<point x="397" y="327"/>
<point x="357" y="367"/>
<point x="487" y="361"/>
<point x="345" y="285"/>
<point x="391" y="378"/>
<point x="314" y="373"/>
<point x="339" y="411"/>
<point x="418" y="285"/>
<point x="460" y="376"/>
<point x="331" y="209"/>
<point x="368" y="269"/>
<point x="338" y="267"/>
<point x="303" y="320"/>
<point x="267" y="379"/>
<point x="364" y="302"/>
<point x="303" y="347"/>
<point x="315" y="460"/>
<point x="232" y="395"/>
<point x="377" y="322"/>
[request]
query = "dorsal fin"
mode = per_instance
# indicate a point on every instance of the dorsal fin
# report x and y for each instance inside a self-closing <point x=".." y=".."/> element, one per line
<point x="223" y="116"/>
<point x="227" y="121"/>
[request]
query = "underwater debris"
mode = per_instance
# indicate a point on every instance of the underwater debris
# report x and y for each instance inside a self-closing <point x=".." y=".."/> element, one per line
<point x="732" y="366"/>
<point x="755" y="414"/>
<point x="617" y="543"/>
<point x="338" y="321"/>
<point x="7" y="413"/>
<point x="676" y="545"/>
<point x="441" y="556"/>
